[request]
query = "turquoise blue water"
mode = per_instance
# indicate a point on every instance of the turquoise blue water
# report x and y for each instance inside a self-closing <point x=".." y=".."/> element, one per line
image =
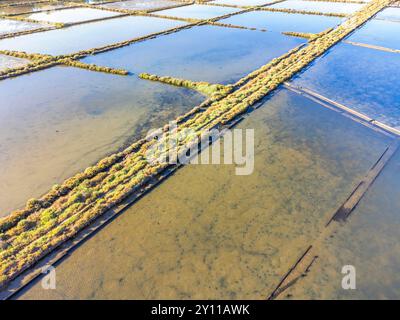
<point x="206" y="53"/>
<point x="363" y="79"/>
<point x="89" y="35"/>
<point x="380" y="33"/>
<point x="279" y="21"/>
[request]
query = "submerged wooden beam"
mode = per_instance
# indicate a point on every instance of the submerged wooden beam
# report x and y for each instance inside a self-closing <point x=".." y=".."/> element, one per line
<point x="371" y="46"/>
<point x="44" y="225"/>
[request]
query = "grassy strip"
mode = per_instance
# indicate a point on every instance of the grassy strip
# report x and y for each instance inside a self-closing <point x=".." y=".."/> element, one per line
<point x="23" y="19"/>
<point x="328" y="14"/>
<point x="93" y="67"/>
<point x="43" y="61"/>
<point x="45" y="224"/>
<point x="304" y="35"/>
<point x="309" y="36"/>
<point x="21" y="33"/>
<point x="211" y="90"/>
<point x="228" y="25"/>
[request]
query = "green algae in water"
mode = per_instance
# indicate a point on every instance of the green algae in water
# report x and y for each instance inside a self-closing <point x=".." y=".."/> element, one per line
<point x="71" y="15"/>
<point x="197" y="11"/>
<point x="205" y="53"/>
<point x="87" y="36"/>
<point x="206" y="233"/>
<point x="319" y="6"/>
<point x="379" y="33"/>
<point x="54" y="123"/>
<point x="368" y="241"/>
<point x="282" y="22"/>
<point x="363" y="79"/>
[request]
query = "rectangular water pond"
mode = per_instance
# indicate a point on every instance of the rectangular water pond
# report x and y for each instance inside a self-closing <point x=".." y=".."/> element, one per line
<point x="244" y="3"/>
<point x="14" y="10"/>
<point x="368" y="241"/>
<point x="197" y="11"/>
<point x="87" y="36"/>
<point x="205" y="53"/>
<point x="141" y="4"/>
<point x="319" y="6"/>
<point x="7" y="62"/>
<point x="392" y="14"/>
<point x="71" y="15"/>
<point x="363" y="79"/>
<point x="206" y="233"/>
<point x="380" y="33"/>
<point x="56" y="122"/>
<point x="12" y="26"/>
<point x="281" y="21"/>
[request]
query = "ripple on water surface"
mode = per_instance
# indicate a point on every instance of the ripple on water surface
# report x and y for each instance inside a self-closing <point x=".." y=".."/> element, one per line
<point x="209" y="234"/>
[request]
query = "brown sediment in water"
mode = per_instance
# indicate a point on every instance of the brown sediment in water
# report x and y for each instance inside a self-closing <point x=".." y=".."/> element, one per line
<point x="44" y="224"/>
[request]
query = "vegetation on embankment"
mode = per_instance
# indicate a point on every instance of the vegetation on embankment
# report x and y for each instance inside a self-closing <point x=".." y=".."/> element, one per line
<point x="304" y="35"/>
<point x="21" y="33"/>
<point x="92" y="67"/>
<point x="83" y="53"/>
<point x="309" y="36"/>
<point x="58" y="25"/>
<point x="328" y="14"/>
<point x="44" y="224"/>
<point x="214" y="91"/>
<point x="43" y="61"/>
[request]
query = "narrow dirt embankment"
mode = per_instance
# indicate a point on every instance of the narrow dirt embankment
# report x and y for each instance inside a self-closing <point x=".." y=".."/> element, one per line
<point x="29" y="234"/>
